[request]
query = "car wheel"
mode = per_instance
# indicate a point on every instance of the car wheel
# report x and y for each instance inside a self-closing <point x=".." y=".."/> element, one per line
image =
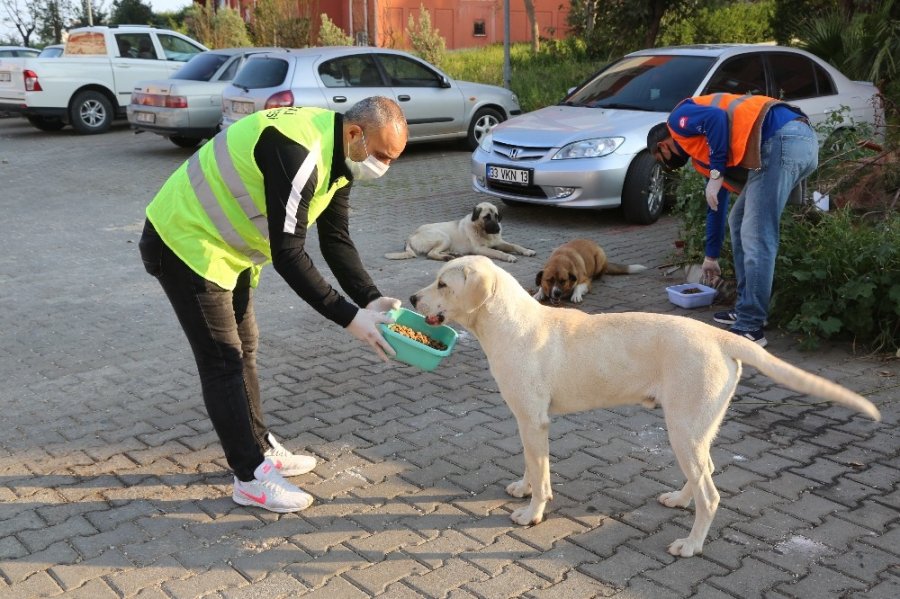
<point x="185" y="142"/>
<point x="91" y="112"/>
<point x="643" y="194"/>
<point x="483" y="121"/>
<point x="46" y="123"/>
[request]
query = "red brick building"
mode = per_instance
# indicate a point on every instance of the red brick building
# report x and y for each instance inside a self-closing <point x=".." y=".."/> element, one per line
<point x="462" y="23"/>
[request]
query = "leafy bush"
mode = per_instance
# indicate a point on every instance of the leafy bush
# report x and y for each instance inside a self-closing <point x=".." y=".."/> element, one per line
<point x="332" y="35"/>
<point x="426" y="41"/>
<point x="223" y="28"/>
<point x="739" y="22"/>
<point x="838" y="277"/>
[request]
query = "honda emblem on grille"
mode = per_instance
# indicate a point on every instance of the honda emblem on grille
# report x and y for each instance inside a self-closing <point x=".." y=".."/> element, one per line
<point x="514" y="153"/>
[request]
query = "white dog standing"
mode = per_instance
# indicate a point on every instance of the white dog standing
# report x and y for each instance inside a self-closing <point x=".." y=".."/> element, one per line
<point x="478" y="233"/>
<point x="561" y="360"/>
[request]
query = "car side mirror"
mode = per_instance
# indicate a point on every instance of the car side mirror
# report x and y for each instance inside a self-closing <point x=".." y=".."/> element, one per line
<point x="445" y="82"/>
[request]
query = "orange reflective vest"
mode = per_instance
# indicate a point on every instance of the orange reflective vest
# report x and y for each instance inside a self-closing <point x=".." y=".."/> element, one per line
<point x="745" y="120"/>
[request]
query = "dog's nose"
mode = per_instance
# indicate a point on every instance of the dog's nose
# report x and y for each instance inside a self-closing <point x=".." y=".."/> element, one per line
<point x="413" y="299"/>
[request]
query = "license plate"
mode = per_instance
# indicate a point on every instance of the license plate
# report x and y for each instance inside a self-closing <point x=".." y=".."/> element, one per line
<point x="5" y="77"/>
<point x="145" y="117"/>
<point x="242" y="107"/>
<point x="518" y="176"/>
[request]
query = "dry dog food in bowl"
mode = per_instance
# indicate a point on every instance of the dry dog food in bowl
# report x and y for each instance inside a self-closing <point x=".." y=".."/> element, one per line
<point x="417" y="336"/>
<point x="416" y="342"/>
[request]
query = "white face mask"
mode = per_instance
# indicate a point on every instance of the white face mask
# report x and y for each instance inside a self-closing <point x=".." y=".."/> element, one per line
<point x="370" y="168"/>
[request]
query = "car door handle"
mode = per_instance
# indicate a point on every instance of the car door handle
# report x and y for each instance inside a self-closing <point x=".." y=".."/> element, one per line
<point x="339" y="99"/>
<point x="403" y="98"/>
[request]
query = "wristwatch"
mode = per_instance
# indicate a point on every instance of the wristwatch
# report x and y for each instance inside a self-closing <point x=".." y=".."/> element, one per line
<point x="715" y="174"/>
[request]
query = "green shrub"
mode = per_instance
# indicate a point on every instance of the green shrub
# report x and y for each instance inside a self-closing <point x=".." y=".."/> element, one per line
<point x="426" y="41"/>
<point x="332" y="35"/>
<point x="837" y="276"/>
<point x="739" y="22"/>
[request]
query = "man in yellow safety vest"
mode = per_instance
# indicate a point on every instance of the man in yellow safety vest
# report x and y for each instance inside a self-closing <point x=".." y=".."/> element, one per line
<point x="246" y="198"/>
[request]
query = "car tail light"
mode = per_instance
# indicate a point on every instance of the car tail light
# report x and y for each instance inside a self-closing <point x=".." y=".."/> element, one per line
<point x="176" y="102"/>
<point x="285" y="98"/>
<point x="158" y="100"/>
<point x="31" y="81"/>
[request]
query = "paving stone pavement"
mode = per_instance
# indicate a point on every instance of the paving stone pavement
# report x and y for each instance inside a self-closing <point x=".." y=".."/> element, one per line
<point x="112" y="483"/>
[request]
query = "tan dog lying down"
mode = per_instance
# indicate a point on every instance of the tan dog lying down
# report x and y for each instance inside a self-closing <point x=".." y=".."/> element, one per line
<point x="560" y="360"/>
<point x="478" y="233"/>
<point x="572" y="267"/>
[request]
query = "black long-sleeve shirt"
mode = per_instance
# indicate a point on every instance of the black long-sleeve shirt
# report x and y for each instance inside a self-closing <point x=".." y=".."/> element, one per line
<point x="287" y="204"/>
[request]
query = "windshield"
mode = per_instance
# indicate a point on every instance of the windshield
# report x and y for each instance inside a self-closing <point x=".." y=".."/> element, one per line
<point x="652" y="83"/>
<point x="201" y="67"/>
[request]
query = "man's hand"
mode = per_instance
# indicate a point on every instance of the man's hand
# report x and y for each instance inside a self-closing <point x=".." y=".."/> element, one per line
<point x="712" y="193"/>
<point x="383" y="304"/>
<point x="711" y="271"/>
<point x="364" y="327"/>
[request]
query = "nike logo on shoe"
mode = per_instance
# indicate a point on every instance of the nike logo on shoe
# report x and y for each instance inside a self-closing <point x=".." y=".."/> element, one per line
<point x="261" y="499"/>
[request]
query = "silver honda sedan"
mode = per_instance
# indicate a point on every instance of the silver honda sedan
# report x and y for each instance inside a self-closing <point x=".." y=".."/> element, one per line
<point x="590" y="150"/>
<point x="436" y="106"/>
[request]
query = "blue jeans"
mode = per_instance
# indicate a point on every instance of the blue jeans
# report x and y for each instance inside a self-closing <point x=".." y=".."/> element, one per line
<point x="221" y="329"/>
<point x="788" y="157"/>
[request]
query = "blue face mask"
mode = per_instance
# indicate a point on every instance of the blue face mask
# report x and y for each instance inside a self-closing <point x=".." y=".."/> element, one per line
<point x="370" y="168"/>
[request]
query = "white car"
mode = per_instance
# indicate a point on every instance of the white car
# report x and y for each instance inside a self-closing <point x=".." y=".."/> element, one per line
<point x="90" y="84"/>
<point x="436" y="106"/>
<point x="187" y="107"/>
<point x="590" y="150"/>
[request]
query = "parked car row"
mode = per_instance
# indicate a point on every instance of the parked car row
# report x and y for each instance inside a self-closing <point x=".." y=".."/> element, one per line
<point x="436" y="106"/>
<point x="588" y="151"/>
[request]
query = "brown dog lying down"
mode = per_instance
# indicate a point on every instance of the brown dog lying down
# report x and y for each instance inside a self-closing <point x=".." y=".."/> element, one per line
<point x="572" y="267"/>
<point x="560" y="360"/>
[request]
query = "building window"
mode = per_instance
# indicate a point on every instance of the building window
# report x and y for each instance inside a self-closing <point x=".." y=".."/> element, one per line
<point x="478" y="30"/>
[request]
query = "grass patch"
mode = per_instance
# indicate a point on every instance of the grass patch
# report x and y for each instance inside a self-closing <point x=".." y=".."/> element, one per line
<point x="538" y="81"/>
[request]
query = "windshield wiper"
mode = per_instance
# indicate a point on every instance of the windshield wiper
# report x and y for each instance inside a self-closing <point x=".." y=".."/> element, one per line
<point x="622" y="106"/>
<point x="568" y="103"/>
<point x="243" y="87"/>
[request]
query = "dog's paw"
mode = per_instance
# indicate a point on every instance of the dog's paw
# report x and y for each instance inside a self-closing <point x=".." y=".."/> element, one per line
<point x="675" y="499"/>
<point x="509" y="258"/>
<point x="520" y="488"/>
<point x="685" y="547"/>
<point x="527" y="516"/>
<point x="529" y="253"/>
<point x="577" y="298"/>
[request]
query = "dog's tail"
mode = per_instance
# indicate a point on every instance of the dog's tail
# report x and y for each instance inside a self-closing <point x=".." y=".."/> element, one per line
<point x="407" y="253"/>
<point x="796" y="378"/>
<point x="613" y="268"/>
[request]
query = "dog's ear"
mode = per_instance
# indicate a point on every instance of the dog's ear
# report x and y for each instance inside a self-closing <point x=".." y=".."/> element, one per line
<point x="476" y="212"/>
<point x="499" y="216"/>
<point x="538" y="278"/>
<point x="572" y="278"/>
<point x="479" y="287"/>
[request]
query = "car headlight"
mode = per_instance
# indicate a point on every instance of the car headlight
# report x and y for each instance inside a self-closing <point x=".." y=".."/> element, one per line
<point x="589" y="148"/>
<point x="487" y="142"/>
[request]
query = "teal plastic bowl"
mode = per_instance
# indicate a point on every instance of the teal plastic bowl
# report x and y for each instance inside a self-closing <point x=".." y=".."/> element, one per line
<point x="410" y="351"/>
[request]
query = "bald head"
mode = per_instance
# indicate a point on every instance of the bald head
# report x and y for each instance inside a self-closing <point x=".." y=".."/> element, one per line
<point x="375" y="126"/>
<point x="377" y="112"/>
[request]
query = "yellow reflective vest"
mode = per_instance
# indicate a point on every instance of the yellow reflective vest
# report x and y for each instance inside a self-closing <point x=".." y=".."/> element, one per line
<point x="212" y="211"/>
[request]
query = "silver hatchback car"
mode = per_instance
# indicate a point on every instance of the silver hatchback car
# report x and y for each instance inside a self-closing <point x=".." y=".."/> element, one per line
<point x="436" y="106"/>
<point x="590" y="150"/>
